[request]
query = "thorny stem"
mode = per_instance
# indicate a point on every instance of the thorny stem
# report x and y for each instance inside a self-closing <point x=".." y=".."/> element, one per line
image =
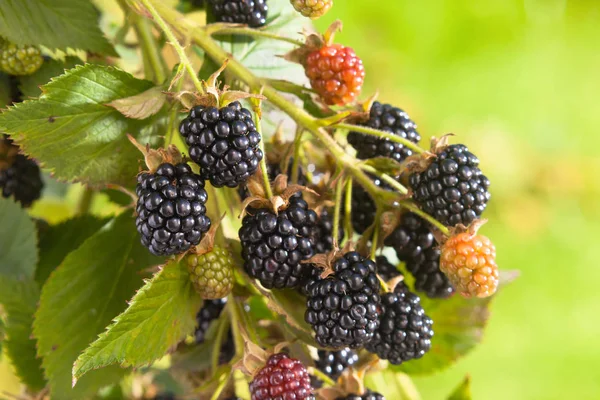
<point x="336" y="211"/>
<point x="183" y="58"/>
<point x="384" y="135"/>
<point x="228" y="29"/>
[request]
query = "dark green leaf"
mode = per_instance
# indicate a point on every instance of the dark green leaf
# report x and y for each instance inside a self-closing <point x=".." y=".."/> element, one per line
<point x="463" y="391"/>
<point x="59" y="240"/>
<point x="159" y="316"/>
<point x="19" y="299"/>
<point x="56" y="24"/>
<point x="30" y="84"/>
<point x="392" y="385"/>
<point x="81" y="297"/>
<point x="72" y="132"/>
<point x="18" y="254"/>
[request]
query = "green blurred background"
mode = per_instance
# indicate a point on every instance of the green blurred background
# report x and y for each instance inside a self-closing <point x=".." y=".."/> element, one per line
<point x="518" y="81"/>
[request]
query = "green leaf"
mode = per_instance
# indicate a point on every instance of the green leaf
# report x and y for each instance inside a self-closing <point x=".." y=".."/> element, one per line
<point x="18" y="254"/>
<point x="141" y="106"/>
<point x="463" y="391"/>
<point x="56" y="241"/>
<point x="392" y="385"/>
<point x="159" y="316"/>
<point x="19" y="299"/>
<point x="71" y="131"/>
<point x="56" y="24"/>
<point x="30" y="84"/>
<point x="81" y="297"/>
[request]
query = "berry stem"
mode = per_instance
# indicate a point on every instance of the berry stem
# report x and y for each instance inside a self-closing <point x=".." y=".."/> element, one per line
<point x="336" y="211"/>
<point x="386" y="178"/>
<point x="218" y="342"/>
<point x="155" y="63"/>
<point x="183" y="58"/>
<point x="85" y="201"/>
<point x="263" y="161"/>
<point x="409" y="205"/>
<point x="322" y="376"/>
<point x="223" y="379"/>
<point x="348" y="210"/>
<point x="288" y="87"/>
<point x="384" y="135"/>
<point x="228" y="29"/>
<point x="375" y="237"/>
<point x="296" y="163"/>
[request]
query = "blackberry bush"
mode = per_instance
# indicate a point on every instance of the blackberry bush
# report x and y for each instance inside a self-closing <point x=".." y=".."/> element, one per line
<point x="171" y="209"/>
<point x="223" y="142"/>
<point x="344" y="308"/>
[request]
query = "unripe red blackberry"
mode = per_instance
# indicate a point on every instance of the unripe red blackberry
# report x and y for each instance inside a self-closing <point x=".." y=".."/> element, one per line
<point x="249" y="12"/>
<point x="343" y="309"/>
<point x="335" y="73"/>
<point x="20" y="177"/>
<point x="333" y="363"/>
<point x="469" y="261"/>
<point x="273" y="245"/>
<point x="415" y="244"/>
<point x="223" y="142"/>
<point x="212" y="273"/>
<point x="369" y="395"/>
<point x="404" y="331"/>
<point x="452" y="189"/>
<point x="312" y="8"/>
<point x="171" y="210"/>
<point x="282" y="378"/>
<point x="19" y="60"/>
<point x="389" y="119"/>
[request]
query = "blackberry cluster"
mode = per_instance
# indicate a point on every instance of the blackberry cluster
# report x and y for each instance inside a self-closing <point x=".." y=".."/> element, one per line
<point x="223" y="142"/>
<point x="390" y="119"/>
<point x="415" y="244"/>
<point x="364" y="208"/>
<point x="171" y="211"/>
<point x="282" y="378"/>
<point x="404" y="330"/>
<point x="369" y="395"/>
<point x="323" y="233"/>
<point x="385" y="269"/>
<point x="20" y="177"/>
<point x="452" y="188"/>
<point x="250" y="12"/>
<point x="333" y="363"/>
<point x="344" y="308"/>
<point x="274" y="245"/>
<point x="210" y="311"/>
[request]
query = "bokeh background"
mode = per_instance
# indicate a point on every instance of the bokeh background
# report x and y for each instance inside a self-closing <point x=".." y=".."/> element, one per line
<point x="518" y="81"/>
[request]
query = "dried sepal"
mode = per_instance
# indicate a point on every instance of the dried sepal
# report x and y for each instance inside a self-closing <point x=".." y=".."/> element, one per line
<point x="394" y="282"/>
<point x="253" y="358"/>
<point x="154" y="158"/>
<point x="389" y="222"/>
<point x="313" y="41"/>
<point x="439" y="144"/>
<point x="326" y="261"/>
<point x="472" y="229"/>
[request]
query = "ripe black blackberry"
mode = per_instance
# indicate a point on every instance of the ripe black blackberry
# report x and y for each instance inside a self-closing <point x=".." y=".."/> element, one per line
<point x="273" y="246"/>
<point x="415" y="244"/>
<point x="250" y="12"/>
<point x="363" y="207"/>
<point x="452" y="188"/>
<point x="388" y="118"/>
<point x="385" y="269"/>
<point x="369" y="395"/>
<point x="282" y="378"/>
<point x="210" y="311"/>
<point x="333" y="363"/>
<point x="323" y="232"/>
<point x="223" y="142"/>
<point x="344" y="308"/>
<point x="171" y="210"/>
<point x="20" y="177"/>
<point x="404" y="331"/>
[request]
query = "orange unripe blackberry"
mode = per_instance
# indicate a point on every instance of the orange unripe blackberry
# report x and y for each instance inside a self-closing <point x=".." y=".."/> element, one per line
<point x="212" y="273"/>
<point x="312" y="8"/>
<point x="335" y="73"/>
<point x="469" y="261"/>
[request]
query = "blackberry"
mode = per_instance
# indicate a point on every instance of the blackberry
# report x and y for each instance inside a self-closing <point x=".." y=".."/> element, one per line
<point x="388" y="119"/>
<point x="19" y="60"/>
<point x="20" y="177"/>
<point x="312" y="8"/>
<point x="415" y="244"/>
<point x="282" y="378"/>
<point x="364" y="208"/>
<point x="323" y="232"/>
<point x="171" y="211"/>
<point x="210" y="311"/>
<point x="344" y="308"/>
<point x="249" y="12"/>
<point x="452" y="188"/>
<point x="404" y="331"/>
<point x="385" y="269"/>
<point x="333" y="363"/>
<point x="212" y="273"/>
<point x="369" y="395"/>
<point x="273" y="246"/>
<point x="223" y="142"/>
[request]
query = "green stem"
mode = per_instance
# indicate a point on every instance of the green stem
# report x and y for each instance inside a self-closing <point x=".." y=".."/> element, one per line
<point x="386" y="178"/>
<point x="263" y="161"/>
<point x="297" y="148"/>
<point x="224" y="378"/>
<point x="348" y="210"/>
<point x="322" y="376"/>
<point x="227" y="29"/>
<point x="156" y="65"/>
<point x="288" y="87"/>
<point x="336" y="211"/>
<point x="375" y="237"/>
<point x="85" y="201"/>
<point x="223" y="325"/>
<point x="384" y="135"/>
<point x="183" y="58"/>
<point x="409" y="205"/>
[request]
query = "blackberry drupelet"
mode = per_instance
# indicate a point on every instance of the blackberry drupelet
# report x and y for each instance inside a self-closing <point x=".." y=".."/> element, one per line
<point x="369" y="395"/>
<point x="333" y="363"/>
<point x="344" y="308"/>
<point x="210" y="311"/>
<point x="20" y="177"/>
<point x="273" y="246"/>
<point x="212" y="273"/>
<point x="404" y="331"/>
<point x="282" y="378"/>
<point x="452" y="189"/>
<point x="171" y="210"/>
<point x="385" y="269"/>
<point x="223" y="142"/>
<point x="389" y="119"/>
<point x="323" y="232"/>
<point x="250" y="12"/>
<point x="415" y="244"/>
